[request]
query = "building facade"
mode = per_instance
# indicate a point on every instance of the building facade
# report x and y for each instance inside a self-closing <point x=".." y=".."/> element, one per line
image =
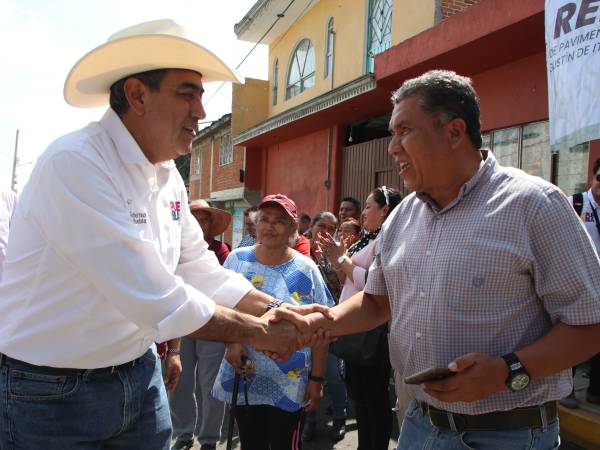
<point x="217" y="175"/>
<point x="334" y="63"/>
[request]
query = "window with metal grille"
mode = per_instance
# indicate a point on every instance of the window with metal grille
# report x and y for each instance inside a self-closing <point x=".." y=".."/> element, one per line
<point x="226" y="155"/>
<point x="198" y="163"/>
<point x="379" y="29"/>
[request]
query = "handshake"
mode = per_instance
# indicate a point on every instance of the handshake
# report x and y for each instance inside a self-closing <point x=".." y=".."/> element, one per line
<point x="288" y="328"/>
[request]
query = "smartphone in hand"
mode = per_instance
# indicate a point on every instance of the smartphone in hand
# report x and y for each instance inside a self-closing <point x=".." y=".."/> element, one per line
<point x="431" y="374"/>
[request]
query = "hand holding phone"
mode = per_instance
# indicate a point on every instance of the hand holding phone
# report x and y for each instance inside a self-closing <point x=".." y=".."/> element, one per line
<point x="430" y="374"/>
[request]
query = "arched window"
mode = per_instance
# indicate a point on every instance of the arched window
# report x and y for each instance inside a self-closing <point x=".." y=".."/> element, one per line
<point x="301" y="73"/>
<point x="329" y="49"/>
<point x="275" y="82"/>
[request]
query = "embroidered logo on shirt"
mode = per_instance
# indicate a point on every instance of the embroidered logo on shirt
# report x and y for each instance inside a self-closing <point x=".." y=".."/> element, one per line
<point x="137" y="217"/>
<point x="175" y="209"/>
<point x="478" y="281"/>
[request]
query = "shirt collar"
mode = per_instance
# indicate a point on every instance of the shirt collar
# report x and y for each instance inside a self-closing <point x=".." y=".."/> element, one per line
<point x="126" y="145"/>
<point x="486" y="167"/>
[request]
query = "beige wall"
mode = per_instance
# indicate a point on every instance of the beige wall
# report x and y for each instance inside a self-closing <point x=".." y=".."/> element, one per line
<point x="410" y="17"/>
<point x="249" y="104"/>
<point x="349" y="27"/>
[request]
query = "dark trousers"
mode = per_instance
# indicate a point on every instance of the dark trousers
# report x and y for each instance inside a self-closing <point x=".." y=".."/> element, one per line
<point x="369" y="387"/>
<point x="263" y="427"/>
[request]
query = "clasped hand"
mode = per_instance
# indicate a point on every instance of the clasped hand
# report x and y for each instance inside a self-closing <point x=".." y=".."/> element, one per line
<point x="289" y="328"/>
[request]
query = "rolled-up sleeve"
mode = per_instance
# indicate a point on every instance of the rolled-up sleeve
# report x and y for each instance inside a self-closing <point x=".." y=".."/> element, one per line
<point x="84" y="219"/>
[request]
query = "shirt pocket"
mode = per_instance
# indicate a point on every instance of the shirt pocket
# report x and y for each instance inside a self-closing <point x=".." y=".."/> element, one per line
<point x="485" y="272"/>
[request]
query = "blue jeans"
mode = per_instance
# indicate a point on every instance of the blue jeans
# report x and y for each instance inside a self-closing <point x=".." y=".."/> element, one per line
<point x="68" y="409"/>
<point x="336" y="388"/>
<point x="418" y="433"/>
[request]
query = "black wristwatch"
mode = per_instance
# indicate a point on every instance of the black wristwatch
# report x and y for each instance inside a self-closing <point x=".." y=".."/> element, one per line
<point x="518" y="378"/>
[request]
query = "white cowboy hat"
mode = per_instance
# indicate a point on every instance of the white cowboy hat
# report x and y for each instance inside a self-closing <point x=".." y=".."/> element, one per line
<point x="160" y="44"/>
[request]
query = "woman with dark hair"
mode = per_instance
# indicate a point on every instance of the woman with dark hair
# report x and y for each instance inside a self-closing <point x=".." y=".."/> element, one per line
<point x="368" y="384"/>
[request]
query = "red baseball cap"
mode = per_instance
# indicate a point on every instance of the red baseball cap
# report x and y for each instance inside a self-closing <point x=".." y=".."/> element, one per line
<point x="281" y="200"/>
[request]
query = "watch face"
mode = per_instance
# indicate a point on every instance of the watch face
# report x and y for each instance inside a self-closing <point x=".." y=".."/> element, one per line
<point x="519" y="382"/>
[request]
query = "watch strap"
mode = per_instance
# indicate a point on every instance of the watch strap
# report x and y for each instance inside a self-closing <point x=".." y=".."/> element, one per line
<point x="514" y="363"/>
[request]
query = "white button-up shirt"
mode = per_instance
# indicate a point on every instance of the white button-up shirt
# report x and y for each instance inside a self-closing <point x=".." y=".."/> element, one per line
<point x="104" y="256"/>
<point x="8" y="200"/>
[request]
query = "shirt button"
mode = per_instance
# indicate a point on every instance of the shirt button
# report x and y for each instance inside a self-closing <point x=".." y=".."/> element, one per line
<point x="422" y="294"/>
<point x="417" y="335"/>
<point x="428" y="252"/>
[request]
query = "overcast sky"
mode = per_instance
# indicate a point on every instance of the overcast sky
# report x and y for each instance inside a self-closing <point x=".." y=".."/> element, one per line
<point x="41" y="40"/>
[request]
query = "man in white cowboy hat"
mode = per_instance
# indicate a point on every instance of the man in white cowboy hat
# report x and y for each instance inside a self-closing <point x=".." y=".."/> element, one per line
<point x="106" y="258"/>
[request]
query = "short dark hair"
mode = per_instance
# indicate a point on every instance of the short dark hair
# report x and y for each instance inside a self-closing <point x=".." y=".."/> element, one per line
<point x="392" y="199"/>
<point x="249" y="210"/>
<point x="118" y="100"/>
<point x="447" y="95"/>
<point x="596" y="166"/>
<point x="352" y="200"/>
<point x="304" y="216"/>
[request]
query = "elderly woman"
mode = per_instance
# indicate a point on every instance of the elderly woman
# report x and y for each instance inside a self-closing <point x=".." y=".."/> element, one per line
<point x="368" y="383"/>
<point x="276" y="392"/>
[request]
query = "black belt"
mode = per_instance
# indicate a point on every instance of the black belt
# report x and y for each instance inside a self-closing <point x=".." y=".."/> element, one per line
<point x="67" y="371"/>
<point x="528" y="417"/>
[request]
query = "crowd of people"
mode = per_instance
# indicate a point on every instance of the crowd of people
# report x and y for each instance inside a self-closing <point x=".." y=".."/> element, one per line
<point x="481" y="285"/>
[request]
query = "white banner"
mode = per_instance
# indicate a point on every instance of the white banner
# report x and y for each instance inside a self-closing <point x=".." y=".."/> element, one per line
<point x="573" y="65"/>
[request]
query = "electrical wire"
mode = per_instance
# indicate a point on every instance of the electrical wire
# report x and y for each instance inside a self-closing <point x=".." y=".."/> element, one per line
<point x="280" y="16"/>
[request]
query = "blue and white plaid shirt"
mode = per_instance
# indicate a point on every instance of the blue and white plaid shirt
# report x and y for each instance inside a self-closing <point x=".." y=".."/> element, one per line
<point x="491" y="273"/>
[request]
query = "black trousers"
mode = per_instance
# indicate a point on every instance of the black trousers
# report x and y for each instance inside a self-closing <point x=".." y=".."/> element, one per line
<point x="369" y="387"/>
<point x="263" y="427"/>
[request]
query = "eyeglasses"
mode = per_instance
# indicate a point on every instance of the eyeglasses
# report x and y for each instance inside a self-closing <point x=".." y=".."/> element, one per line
<point x="386" y="195"/>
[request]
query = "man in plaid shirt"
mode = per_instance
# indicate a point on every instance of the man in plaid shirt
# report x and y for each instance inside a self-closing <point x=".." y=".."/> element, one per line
<point x="483" y="270"/>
